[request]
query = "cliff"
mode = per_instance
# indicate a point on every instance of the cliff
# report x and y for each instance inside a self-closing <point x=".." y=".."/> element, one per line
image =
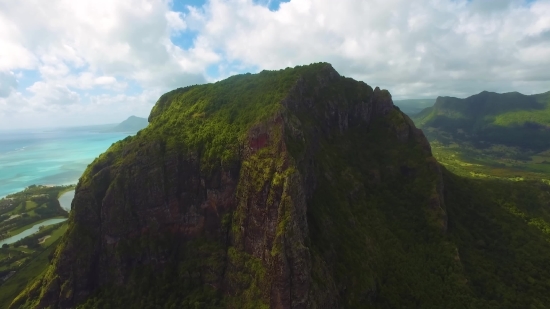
<point x="297" y="188"/>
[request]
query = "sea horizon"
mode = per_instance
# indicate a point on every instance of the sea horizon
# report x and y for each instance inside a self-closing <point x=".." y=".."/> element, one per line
<point x="50" y="156"/>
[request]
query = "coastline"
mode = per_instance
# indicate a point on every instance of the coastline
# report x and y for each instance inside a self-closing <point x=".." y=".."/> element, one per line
<point x="70" y="187"/>
<point x="49" y="156"/>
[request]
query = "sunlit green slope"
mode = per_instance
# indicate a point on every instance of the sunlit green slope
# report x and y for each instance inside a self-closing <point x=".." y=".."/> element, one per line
<point x="510" y="119"/>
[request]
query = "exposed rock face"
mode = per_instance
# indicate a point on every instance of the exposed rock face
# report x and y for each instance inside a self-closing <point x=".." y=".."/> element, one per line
<point x="152" y="203"/>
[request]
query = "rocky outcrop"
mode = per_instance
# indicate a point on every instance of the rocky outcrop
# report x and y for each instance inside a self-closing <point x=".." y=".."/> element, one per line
<point x="238" y="223"/>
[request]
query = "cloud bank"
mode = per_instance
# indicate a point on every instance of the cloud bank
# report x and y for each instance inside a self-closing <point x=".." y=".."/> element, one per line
<point x="87" y="61"/>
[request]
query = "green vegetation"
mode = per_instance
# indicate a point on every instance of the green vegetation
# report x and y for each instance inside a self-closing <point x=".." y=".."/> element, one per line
<point x="210" y="123"/>
<point x="489" y="135"/>
<point x="370" y="214"/>
<point x="55" y="234"/>
<point x="501" y="229"/>
<point x="214" y="119"/>
<point x="298" y="185"/>
<point x="28" y="265"/>
<point x="35" y="204"/>
<point x="492" y="161"/>
<point x="510" y="119"/>
<point x="150" y="288"/>
<point x="25" y="259"/>
<point x="23" y="228"/>
<point x="498" y="210"/>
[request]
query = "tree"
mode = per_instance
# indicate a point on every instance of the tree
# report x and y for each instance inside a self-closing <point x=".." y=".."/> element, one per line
<point x="5" y="246"/>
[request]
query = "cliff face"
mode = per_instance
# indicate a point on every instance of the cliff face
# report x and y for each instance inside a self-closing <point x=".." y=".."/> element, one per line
<point x="297" y="188"/>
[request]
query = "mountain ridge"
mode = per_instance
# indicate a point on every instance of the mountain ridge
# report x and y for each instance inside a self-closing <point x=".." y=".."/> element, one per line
<point x="505" y="118"/>
<point x="296" y="188"/>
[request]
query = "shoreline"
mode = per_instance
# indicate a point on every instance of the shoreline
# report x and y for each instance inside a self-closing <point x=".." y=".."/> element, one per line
<point x="71" y="186"/>
<point x="74" y="149"/>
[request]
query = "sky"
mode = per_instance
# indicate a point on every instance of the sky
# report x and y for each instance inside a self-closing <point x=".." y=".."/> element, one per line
<point x="66" y="62"/>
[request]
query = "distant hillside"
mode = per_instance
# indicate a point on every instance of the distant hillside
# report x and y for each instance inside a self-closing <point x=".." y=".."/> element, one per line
<point x="132" y="124"/>
<point x="413" y="106"/>
<point x="511" y="119"/>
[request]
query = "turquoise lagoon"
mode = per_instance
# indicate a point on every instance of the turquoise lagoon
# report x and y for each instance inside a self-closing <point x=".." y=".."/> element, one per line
<point x="49" y="156"/>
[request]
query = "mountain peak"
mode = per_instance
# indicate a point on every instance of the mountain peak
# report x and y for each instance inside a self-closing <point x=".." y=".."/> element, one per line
<point x="231" y="180"/>
<point x="297" y="188"/>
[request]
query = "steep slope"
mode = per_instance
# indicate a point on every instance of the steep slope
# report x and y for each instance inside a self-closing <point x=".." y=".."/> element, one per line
<point x="296" y="188"/>
<point x="506" y="119"/>
<point x="502" y="232"/>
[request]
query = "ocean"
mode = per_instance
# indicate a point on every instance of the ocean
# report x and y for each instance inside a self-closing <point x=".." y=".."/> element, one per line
<point x="49" y="156"/>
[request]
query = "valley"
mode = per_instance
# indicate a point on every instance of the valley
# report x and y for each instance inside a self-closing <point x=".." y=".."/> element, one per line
<point x="490" y="135"/>
<point x="492" y="161"/>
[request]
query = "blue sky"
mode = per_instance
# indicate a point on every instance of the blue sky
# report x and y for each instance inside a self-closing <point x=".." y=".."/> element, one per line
<point x="100" y="61"/>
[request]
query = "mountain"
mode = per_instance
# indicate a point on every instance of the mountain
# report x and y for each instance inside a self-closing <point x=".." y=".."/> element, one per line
<point x="132" y="124"/>
<point x="511" y="119"/>
<point x="296" y="188"/>
<point x="412" y="107"/>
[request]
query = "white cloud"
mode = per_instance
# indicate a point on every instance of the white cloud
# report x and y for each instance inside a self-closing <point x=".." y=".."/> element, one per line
<point x="105" y="80"/>
<point x="19" y="112"/>
<point x="47" y="95"/>
<point x="176" y="21"/>
<point x="414" y="48"/>
<point x="8" y="84"/>
<point x="92" y="55"/>
<point x="91" y="45"/>
<point x="12" y="53"/>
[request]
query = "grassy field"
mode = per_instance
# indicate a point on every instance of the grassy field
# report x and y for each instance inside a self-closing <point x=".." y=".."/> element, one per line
<point x="34" y="263"/>
<point x="55" y="235"/>
<point x="494" y="161"/>
<point x="29" y="205"/>
<point x="14" y="285"/>
<point x="28" y="257"/>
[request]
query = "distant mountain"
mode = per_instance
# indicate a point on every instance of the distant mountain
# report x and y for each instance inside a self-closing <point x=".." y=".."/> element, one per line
<point x="132" y="124"/>
<point x="412" y="107"/>
<point x="511" y="119"/>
